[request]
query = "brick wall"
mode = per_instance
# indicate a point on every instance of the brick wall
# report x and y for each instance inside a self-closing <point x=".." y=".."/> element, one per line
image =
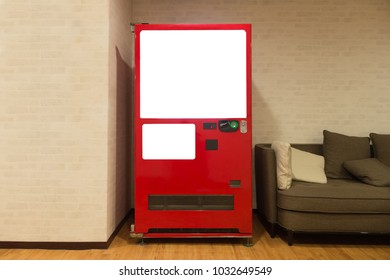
<point x="53" y="120"/>
<point x="63" y="68"/>
<point x="119" y="102"/>
<point x="322" y="64"/>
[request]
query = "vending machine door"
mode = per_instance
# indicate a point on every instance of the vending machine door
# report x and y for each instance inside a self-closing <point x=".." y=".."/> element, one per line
<point x="193" y="149"/>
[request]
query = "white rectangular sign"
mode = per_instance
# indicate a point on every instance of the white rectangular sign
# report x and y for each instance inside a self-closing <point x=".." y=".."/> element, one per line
<point x="168" y="141"/>
<point x="193" y="74"/>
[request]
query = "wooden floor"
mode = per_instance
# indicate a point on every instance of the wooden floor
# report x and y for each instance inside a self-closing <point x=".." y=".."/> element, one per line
<point x="306" y="247"/>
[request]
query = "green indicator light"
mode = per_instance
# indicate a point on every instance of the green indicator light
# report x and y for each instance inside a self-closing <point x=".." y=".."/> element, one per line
<point x="233" y="124"/>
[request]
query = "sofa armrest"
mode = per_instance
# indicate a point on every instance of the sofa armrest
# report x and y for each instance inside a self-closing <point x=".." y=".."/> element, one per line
<point x="266" y="184"/>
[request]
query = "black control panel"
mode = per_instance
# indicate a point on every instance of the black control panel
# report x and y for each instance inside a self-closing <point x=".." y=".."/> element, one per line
<point x="210" y="125"/>
<point x="228" y="125"/>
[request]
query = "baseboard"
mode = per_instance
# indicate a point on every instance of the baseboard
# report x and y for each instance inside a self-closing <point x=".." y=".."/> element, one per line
<point x="53" y="245"/>
<point x="64" y="245"/>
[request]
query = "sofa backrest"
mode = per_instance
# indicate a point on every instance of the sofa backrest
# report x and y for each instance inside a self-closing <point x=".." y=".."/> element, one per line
<point x="318" y="148"/>
<point x="311" y="148"/>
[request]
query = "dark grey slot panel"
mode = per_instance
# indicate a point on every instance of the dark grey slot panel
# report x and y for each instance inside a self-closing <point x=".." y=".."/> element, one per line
<point x="191" y="202"/>
<point x="235" y="183"/>
<point x="211" y="144"/>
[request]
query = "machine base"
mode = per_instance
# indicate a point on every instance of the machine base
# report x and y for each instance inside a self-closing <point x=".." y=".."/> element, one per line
<point x="203" y="233"/>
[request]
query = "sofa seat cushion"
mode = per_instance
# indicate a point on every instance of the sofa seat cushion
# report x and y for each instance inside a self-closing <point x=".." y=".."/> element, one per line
<point x="337" y="196"/>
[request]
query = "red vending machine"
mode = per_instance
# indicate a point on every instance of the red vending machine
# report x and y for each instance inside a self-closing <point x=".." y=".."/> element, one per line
<point x="193" y="131"/>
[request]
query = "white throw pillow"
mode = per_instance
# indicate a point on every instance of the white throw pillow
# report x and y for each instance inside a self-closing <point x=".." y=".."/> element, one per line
<point x="307" y="167"/>
<point x="283" y="164"/>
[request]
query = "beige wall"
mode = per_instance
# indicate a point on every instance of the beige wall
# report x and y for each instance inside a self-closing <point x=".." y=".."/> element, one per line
<point x="59" y="122"/>
<point x="119" y="102"/>
<point x="64" y="87"/>
<point x="317" y="64"/>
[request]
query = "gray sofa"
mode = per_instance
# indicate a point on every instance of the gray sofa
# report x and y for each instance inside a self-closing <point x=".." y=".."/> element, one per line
<point x="339" y="206"/>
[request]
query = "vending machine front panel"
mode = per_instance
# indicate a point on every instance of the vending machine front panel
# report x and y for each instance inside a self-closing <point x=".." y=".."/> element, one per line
<point x="193" y="148"/>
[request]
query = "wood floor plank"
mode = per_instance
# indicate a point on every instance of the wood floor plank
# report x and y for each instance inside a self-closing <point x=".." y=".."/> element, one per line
<point x="306" y="247"/>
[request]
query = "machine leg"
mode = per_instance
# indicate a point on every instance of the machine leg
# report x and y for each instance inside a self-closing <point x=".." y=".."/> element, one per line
<point x="141" y="242"/>
<point x="248" y="242"/>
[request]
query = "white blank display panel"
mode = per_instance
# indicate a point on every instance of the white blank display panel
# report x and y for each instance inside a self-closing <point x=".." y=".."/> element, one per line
<point x="168" y="141"/>
<point x="193" y="74"/>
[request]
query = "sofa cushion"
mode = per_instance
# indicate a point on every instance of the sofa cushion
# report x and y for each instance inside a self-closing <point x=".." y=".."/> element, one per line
<point x="339" y="148"/>
<point x="381" y="145"/>
<point x="370" y="171"/>
<point x="307" y="167"/>
<point x="337" y="196"/>
<point x="283" y="164"/>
